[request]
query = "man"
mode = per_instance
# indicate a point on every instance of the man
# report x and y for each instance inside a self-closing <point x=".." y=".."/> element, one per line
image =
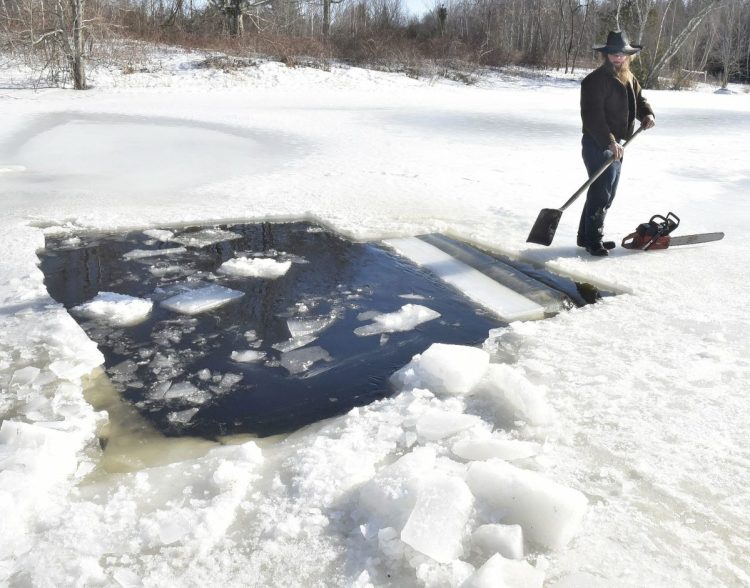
<point x="611" y="100"/>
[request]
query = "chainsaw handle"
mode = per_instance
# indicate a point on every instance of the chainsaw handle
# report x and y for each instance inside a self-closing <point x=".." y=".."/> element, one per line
<point x="671" y="221"/>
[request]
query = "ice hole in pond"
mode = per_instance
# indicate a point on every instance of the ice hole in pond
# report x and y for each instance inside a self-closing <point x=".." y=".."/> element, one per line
<point x="254" y="328"/>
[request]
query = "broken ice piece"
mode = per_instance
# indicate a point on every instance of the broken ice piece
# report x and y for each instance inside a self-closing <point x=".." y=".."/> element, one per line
<point x="205" y="237"/>
<point x="144" y="253"/>
<point x="117" y="309"/>
<point x="300" y="360"/>
<point x="247" y="356"/>
<point x="255" y="267"/>
<point x="404" y="319"/>
<point x="201" y="300"/>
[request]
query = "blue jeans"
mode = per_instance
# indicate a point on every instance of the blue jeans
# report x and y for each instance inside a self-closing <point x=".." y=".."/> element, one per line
<point x="601" y="192"/>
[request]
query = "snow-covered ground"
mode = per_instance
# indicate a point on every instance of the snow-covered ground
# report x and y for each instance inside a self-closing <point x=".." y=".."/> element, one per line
<point x="615" y="435"/>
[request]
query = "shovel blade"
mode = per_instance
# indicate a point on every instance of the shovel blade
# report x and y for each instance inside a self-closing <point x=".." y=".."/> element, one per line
<point x="545" y="226"/>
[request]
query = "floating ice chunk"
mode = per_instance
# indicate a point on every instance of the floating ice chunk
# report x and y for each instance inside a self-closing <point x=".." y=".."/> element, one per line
<point x="433" y="529"/>
<point x="187" y="392"/>
<point x="159" y="234"/>
<point x="437" y="424"/>
<point x="116" y="309"/>
<point x="300" y="360"/>
<point x="412" y="296"/>
<point x="507" y="540"/>
<point x="499" y="572"/>
<point x="205" y="237"/>
<point x="512" y="396"/>
<point x="309" y="326"/>
<point x="549" y="513"/>
<point x="247" y="356"/>
<point x="483" y="449"/>
<point x="405" y="319"/>
<point x="182" y="417"/>
<point x="294" y="343"/>
<point x="167" y="269"/>
<point x="145" y="253"/>
<point x="201" y="300"/>
<point x="259" y="267"/>
<point x="391" y="494"/>
<point x="444" y="369"/>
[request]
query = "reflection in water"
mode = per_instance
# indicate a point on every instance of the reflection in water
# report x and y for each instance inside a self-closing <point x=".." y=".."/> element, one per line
<point x="178" y="371"/>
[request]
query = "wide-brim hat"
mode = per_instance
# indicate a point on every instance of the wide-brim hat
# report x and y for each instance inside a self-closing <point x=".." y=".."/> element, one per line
<point x="618" y="42"/>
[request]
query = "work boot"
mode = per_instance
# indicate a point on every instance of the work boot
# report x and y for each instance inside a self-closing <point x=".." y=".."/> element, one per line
<point x="597" y="250"/>
<point x="605" y="244"/>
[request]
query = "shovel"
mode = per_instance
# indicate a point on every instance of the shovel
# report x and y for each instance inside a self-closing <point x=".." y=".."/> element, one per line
<point x="546" y="223"/>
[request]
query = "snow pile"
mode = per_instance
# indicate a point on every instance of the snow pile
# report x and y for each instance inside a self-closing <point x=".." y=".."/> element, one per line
<point x="201" y="299"/>
<point x="257" y="267"/>
<point x="117" y="309"/>
<point x="495" y="508"/>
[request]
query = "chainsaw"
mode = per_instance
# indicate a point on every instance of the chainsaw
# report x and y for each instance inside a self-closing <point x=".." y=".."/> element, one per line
<point x="656" y="234"/>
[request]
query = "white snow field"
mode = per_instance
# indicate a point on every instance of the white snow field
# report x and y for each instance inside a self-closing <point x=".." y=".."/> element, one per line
<point x="605" y="447"/>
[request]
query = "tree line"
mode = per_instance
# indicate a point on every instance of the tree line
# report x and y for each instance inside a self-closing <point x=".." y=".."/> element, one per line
<point x="683" y="40"/>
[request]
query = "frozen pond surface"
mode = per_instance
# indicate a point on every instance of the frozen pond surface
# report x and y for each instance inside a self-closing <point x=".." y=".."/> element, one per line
<point x="224" y="351"/>
<point x="149" y="151"/>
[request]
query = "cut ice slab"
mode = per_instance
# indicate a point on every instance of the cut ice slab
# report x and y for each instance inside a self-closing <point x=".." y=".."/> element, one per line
<point x="483" y="290"/>
<point x="433" y="529"/>
<point x="549" y="513"/>
<point x="116" y="309"/>
<point x="201" y="300"/>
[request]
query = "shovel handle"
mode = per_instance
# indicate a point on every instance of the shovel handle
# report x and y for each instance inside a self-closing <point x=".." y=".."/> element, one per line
<point x="598" y="172"/>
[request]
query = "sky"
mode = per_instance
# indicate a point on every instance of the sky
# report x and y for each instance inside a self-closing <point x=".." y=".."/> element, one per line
<point x="625" y="421"/>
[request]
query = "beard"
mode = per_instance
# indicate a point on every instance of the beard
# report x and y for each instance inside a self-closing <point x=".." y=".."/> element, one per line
<point x="622" y="72"/>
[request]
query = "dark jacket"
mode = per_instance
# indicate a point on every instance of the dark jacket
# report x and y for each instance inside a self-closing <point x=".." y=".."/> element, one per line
<point x="609" y="107"/>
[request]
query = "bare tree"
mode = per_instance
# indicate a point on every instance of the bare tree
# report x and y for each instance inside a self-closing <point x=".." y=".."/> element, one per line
<point x="652" y="73"/>
<point x="234" y="12"/>
<point x="729" y="45"/>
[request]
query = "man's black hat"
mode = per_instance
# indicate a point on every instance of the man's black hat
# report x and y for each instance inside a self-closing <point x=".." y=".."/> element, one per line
<point x="618" y="42"/>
